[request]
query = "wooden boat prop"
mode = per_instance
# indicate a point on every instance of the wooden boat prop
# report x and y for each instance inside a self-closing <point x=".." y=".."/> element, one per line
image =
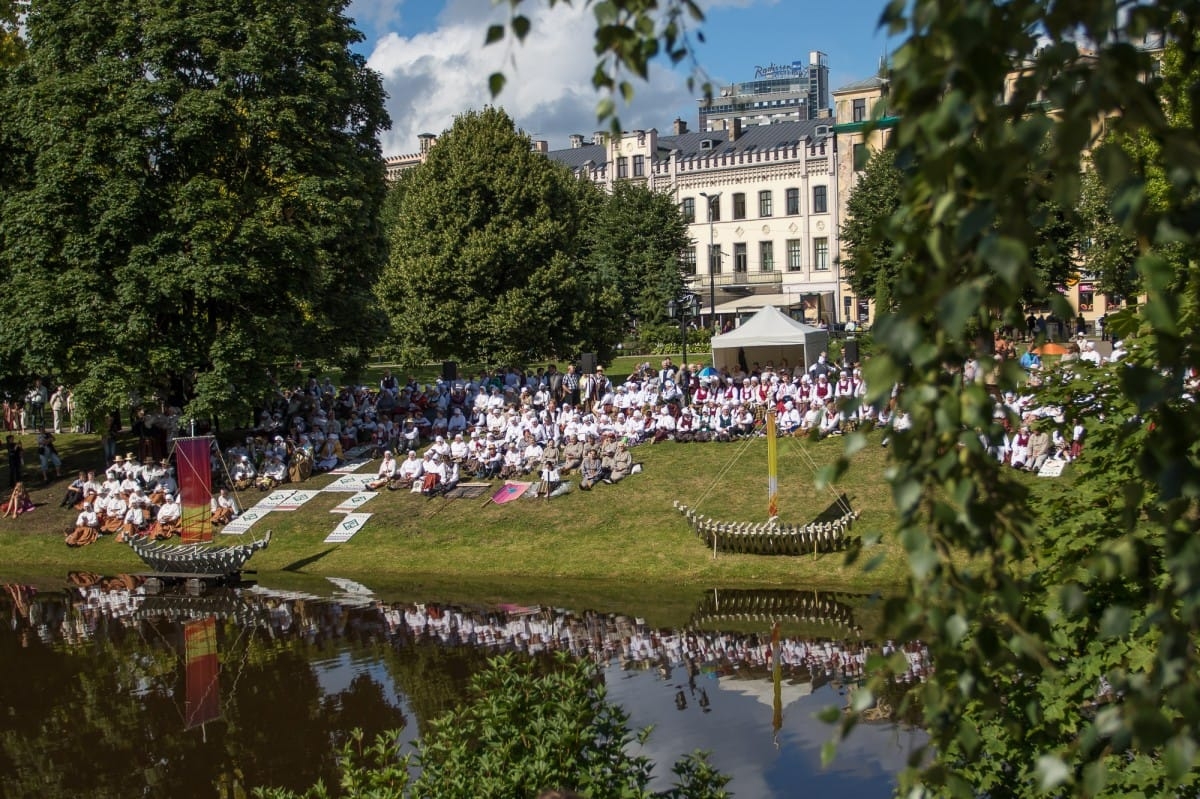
<point x="771" y="537"/>
<point x="198" y="558"/>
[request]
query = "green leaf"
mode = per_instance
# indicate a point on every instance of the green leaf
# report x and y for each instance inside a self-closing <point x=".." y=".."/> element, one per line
<point x="496" y="83"/>
<point x="494" y="34"/>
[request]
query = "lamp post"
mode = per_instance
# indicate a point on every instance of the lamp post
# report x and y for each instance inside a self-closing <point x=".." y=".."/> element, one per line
<point x="685" y="308"/>
<point x="712" y="280"/>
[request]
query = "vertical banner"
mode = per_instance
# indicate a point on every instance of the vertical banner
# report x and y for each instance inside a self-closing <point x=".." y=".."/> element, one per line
<point x="772" y="467"/>
<point x="194" y="470"/>
<point x="203" y="666"/>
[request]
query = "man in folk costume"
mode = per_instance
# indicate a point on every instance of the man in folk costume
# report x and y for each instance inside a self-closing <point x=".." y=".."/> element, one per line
<point x="223" y="507"/>
<point x="243" y="474"/>
<point x="136" y="521"/>
<point x="87" y="527"/>
<point x="273" y="474"/>
<point x="168" y="521"/>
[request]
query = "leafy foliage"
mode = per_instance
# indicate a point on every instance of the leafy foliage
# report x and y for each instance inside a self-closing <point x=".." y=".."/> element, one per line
<point x="870" y="262"/>
<point x="634" y="243"/>
<point x="12" y="46"/>
<point x="189" y="197"/>
<point x="486" y="262"/>
<point x="523" y="729"/>
<point x="1063" y="623"/>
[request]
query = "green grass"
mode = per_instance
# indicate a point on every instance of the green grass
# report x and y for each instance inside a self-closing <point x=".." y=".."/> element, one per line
<point x="620" y="535"/>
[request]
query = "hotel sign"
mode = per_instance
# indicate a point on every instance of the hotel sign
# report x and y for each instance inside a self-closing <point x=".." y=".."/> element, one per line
<point x="794" y="70"/>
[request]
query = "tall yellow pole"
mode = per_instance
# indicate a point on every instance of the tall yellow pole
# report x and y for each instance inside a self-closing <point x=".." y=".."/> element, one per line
<point x="772" y="467"/>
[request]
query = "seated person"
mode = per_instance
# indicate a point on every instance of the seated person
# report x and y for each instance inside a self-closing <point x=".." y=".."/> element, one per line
<point x="387" y="472"/>
<point x="491" y="462"/>
<point x="18" y="502"/>
<point x="329" y="454"/>
<point x="408" y="472"/>
<point x="223" y="507"/>
<point x="136" y="522"/>
<point x="87" y="527"/>
<point x="273" y="474"/>
<point x="590" y="470"/>
<point x="75" y="491"/>
<point x="572" y="454"/>
<point x="243" y="474"/>
<point x="169" y="519"/>
<point x="435" y="475"/>
<point x="621" y="465"/>
<point x="114" y="512"/>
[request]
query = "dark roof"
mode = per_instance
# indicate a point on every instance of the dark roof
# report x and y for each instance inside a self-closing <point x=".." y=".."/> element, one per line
<point x="691" y="145"/>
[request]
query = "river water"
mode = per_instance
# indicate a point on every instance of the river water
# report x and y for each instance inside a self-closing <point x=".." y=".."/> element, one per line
<point x="109" y="691"/>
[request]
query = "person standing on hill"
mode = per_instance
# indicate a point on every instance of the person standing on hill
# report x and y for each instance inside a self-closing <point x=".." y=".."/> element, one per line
<point x="58" y="407"/>
<point x="16" y="460"/>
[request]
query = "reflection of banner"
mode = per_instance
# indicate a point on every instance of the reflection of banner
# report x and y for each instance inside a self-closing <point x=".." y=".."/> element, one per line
<point x="203" y="666"/>
<point x="195" y="486"/>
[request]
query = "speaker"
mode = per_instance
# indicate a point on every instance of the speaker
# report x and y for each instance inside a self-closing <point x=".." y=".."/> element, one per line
<point x="449" y="371"/>
<point x="850" y="351"/>
<point x="587" y="363"/>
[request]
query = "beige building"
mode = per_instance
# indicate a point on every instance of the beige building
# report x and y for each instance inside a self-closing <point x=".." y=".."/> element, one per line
<point x="762" y="203"/>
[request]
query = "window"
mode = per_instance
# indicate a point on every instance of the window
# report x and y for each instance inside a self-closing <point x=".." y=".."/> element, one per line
<point x="793" y="201"/>
<point x="639" y="166"/>
<point x="766" y="256"/>
<point x="714" y="259"/>
<point x="860" y="157"/>
<point x="739" y="258"/>
<point x="622" y="167"/>
<point x="765" y="205"/>
<point x="793" y="255"/>
<point x="819" y="203"/>
<point x="714" y="208"/>
<point x="688" y="260"/>
<point x="860" y="110"/>
<point x="739" y="206"/>
<point x="688" y="209"/>
<point x="821" y="253"/>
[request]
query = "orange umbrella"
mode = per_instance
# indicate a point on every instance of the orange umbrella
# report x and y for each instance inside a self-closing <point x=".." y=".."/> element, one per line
<point x="1051" y="349"/>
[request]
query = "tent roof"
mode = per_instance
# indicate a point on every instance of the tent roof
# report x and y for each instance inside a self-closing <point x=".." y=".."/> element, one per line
<point x="768" y="327"/>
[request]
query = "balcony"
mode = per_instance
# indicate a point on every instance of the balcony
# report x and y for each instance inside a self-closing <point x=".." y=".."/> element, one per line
<point x="737" y="279"/>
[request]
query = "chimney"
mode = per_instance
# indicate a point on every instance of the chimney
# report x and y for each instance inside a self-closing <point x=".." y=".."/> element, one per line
<point x="734" y="128"/>
<point x="680" y="127"/>
<point x="427" y="140"/>
<point x="598" y="137"/>
<point x="541" y="146"/>
<point x="576" y="141"/>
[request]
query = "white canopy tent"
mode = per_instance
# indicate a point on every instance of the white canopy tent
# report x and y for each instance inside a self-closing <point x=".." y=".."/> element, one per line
<point x="769" y="335"/>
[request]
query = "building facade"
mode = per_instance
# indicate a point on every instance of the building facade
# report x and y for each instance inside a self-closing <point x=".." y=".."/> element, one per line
<point x="779" y="93"/>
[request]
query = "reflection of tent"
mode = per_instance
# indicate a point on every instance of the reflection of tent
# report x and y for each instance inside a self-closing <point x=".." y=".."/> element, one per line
<point x="769" y="335"/>
<point x="763" y="690"/>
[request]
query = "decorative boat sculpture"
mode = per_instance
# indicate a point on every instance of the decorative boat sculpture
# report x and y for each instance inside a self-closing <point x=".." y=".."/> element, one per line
<point x="163" y="556"/>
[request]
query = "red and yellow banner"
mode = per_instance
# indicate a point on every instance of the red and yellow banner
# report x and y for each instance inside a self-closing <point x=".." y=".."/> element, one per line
<point x="203" y="668"/>
<point x="194" y="470"/>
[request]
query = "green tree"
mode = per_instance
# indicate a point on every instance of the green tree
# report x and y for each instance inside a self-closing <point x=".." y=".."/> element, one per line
<point x="196" y="197"/>
<point x="12" y="46"/>
<point x="634" y="243"/>
<point x="1109" y="253"/>
<point x="1062" y="621"/>
<point x="487" y="257"/>
<point x="870" y="262"/>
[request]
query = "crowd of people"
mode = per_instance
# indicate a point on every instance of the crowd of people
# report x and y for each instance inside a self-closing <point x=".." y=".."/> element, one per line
<point x="131" y="499"/>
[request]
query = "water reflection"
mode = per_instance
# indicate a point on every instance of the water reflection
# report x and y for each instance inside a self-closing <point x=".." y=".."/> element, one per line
<point x="100" y="675"/>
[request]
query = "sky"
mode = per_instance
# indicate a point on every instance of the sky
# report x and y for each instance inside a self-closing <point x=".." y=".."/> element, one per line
<point x="435" y="66"/>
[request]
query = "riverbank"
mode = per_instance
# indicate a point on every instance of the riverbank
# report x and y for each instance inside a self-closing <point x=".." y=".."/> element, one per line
<point x="627" y="532"/>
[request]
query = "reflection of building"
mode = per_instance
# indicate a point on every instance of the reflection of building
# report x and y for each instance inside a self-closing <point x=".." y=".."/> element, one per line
<point x="779" y="93"/>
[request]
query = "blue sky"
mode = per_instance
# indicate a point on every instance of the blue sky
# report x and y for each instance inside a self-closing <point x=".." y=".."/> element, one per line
<point x="434" y="65"/>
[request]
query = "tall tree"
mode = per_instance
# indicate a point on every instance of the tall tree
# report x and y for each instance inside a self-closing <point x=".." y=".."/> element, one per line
<point x="870" y="262"/>
<point x="1109" y="253"/>
<point x="635" y="243"/>
<point x="12" y="46"/>
<point x="198" y="197"/>
<point x="486" y="256"/>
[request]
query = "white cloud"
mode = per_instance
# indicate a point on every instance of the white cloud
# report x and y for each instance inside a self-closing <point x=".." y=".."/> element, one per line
<point x="432" y="77"/>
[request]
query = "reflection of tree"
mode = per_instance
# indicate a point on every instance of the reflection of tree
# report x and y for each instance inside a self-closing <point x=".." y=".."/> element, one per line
<point x="363" y="706"/>
<point x="434" y="677"/>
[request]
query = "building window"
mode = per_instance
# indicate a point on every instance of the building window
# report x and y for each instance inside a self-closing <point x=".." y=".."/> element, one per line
<point x="739" y="206"/>
<point x="766" y="256"/>
<point x="820" y="200"/>
<point x="821" y="253"/>
<point x="739" y="258"/>
<point x="793" y="255"/>
<point x="688" y="209"/>
<point x="860" y="157"/>
<point x="793" y="201"/>
<point x="622" y="167"/>
<point x="714" y="209"/>
<point x="688" y="260"/>
<point x="714" y="259"/>
<point x="860" y="110"/>
<point x="765" y="205"/>
<point x="639" y="166"/>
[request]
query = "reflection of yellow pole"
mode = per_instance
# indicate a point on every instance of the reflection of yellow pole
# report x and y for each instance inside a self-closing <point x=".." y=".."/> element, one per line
<point x="772" y="467"/>
<point x="777" y="679"/>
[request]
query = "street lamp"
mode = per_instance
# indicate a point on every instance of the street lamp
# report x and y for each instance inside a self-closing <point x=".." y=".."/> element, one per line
<point x="712" y="282"/>
<point x="685" y="308"/>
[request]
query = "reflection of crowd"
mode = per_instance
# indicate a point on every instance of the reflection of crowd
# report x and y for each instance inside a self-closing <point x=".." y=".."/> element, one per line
<point x="96" y="607"/>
